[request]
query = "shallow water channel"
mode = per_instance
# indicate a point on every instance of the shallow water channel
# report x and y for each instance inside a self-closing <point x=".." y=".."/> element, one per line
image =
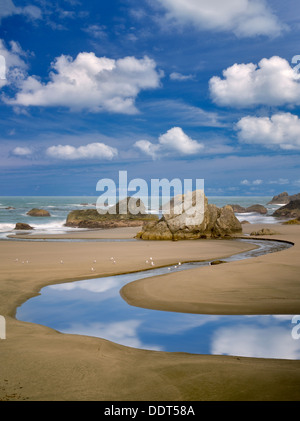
<point x="94" y="307"/>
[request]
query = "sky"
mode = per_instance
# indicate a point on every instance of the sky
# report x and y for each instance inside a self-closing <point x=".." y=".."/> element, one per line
<point x="188" y="89"/>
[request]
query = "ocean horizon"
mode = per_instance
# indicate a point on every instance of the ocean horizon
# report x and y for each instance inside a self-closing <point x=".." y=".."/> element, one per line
<point x="14" y="209"/>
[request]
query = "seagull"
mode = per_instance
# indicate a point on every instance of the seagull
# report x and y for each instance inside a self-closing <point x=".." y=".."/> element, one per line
<point x="61" y="261"/>
<point x="16" y="260"/>
<point x="93" y="269"/>
<point x="150" y="258"/>
<point x="112" y="258"/>
<point x="147" y="261"/>
<point x="152" y="263"/>
<point x="175" y="267"/>
<point x="169" y="268"/>
<point x="95" y="261"/>
<point x="179" y="264"/>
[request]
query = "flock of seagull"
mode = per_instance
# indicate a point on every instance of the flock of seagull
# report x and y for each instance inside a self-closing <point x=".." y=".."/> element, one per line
<point x="112" y="259"/>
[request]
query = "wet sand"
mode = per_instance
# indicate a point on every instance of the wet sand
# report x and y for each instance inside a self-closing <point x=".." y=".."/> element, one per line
<point x="38" y="363"/>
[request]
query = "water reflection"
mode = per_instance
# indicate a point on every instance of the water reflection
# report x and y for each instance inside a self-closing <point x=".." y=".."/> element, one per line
<point x="274" y="340"/>
<point x="94" y="308"/>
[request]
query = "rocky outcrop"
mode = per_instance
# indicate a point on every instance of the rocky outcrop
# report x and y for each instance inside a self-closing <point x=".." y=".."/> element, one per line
<point x="258" y="209"/>
<point x="22" y="226"/>
<point x="90" y="218"/>
<point x="208" y="221"/>
<point x="238" y="208"/>
<point x="292" y="222"/>
<point x="38" y="212"/>
<point x="284" y="198"/>
<point x="217" y="262"/>
<point x="291" y="210"/>
<point x="254" y="208"/>
<point x="264" y="231"/>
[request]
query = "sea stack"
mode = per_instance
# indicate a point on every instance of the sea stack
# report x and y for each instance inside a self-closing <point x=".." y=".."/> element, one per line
<point x="208" y="221"/>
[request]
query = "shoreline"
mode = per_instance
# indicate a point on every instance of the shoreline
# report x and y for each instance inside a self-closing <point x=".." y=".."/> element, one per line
<point x="43" y="361"/>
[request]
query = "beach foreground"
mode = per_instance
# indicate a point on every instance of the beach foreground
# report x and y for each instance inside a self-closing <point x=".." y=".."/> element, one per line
<point x="38" y="363"/>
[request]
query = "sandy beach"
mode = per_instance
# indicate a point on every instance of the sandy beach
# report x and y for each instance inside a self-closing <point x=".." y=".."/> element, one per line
<point x="39" y="363"/>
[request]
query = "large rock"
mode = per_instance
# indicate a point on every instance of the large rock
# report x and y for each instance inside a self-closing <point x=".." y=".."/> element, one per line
<point x="22" y="226"/>
<point x="238" y="208"/>
<point x="254" y="208"/>
<point x="284" y="198"/>
<point x="264" y="231"/>
<point x="90" y="218"/>
<point x="258" y="209"/>
<point x="207" y="221"/>
<point x="291" y="210"/>
<point x="38" y="212"/>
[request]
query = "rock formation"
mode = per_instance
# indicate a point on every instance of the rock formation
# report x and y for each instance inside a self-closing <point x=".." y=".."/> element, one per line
<point x="238" y="208"/>
<point x="264" y="231"/>
<point x="254" y="208"/>
<point x="208" y="221"/>
<point x="38" y="212"/>
<point x="291" y="210"/>
<point x="292" y="222"/>
<point x="90" y="218"/>
<point x="284" y="198"/>
<point x="22" y="226"/>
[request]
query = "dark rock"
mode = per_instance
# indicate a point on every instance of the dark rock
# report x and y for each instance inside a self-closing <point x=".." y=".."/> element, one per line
<point x="245" y="222"/>
<point x="291" y="210"/>
<point x="217" y="262"/>
<point x="22" y="226"/>
<point x="284" y="198"/>
<point x="134" y="215"/>
<point x="38" y="212"/>
<point x="254" y="208"/>
<point x="238" y="208"/>
<point x="258" y="209"/>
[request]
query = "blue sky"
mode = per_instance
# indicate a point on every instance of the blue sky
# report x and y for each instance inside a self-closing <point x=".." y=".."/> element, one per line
<point x="160" y="88"/>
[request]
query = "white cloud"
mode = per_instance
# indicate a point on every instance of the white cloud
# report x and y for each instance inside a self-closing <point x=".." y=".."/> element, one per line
<point x="281" y="181"/>
<point x="90" y="151"/>
<point x="245" y="182"/>
<point x="22" y="151"/>
<point x="279" y="131"/>
<point x="8" y="9"/>
<point x="180" y="77"/>
<point x="245" y="18"/>
<point x="147" y="147"/>
<point x="13" y="65"/>
<point x="96" y="31"/>
<point x="253" y="183"/>
<point x="273" y="82"/>
<point x="91" y="82"/>
<point x="174" y="140"/>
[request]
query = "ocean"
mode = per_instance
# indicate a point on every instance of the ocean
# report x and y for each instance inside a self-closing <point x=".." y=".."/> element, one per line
<point x="14" y="209"/>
